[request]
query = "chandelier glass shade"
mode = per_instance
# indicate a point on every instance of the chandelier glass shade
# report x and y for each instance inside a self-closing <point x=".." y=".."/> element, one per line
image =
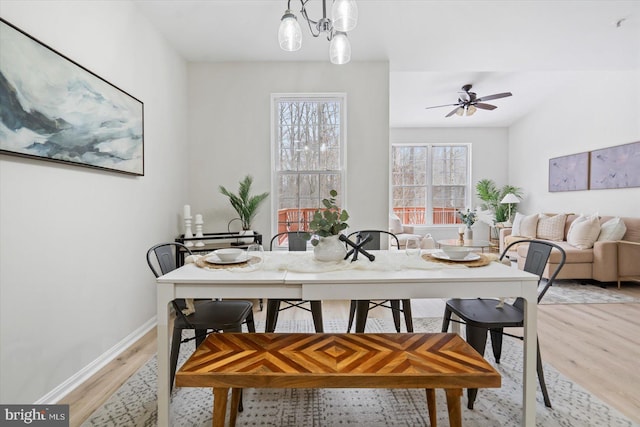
<point x="344" y="17"/>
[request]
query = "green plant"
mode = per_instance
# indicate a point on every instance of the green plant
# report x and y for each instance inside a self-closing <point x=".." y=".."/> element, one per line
<point x="491" y="195"/>
<point x="469" y="217"/>
<point x="245" y="205"/>
<point x="329" y="221"/>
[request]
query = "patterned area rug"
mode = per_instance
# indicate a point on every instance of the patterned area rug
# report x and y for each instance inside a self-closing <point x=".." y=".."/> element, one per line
<point x="573" y="292"/>
<point x="134" y="404"/>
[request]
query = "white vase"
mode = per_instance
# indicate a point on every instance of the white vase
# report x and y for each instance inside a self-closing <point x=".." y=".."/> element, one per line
<point x="245" y="233"/>
<point x="329" y="249"/>
<point x="468" y="233"/>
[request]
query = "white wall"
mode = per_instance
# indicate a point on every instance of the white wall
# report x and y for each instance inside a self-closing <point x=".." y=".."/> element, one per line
<point x="73" y="278"/>
<point x="230" y="133"/>
<point x="489" y="149"/>
<point x="594" y="110"/>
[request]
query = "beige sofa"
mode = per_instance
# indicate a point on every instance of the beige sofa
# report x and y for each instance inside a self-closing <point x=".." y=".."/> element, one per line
<point x="606" y="261"/>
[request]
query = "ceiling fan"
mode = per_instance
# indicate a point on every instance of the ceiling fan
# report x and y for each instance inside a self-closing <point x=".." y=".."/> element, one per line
<point x="468" y="102"/>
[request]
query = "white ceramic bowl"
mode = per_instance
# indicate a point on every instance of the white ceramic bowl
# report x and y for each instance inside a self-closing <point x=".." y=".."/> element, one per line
<point x="228" y="255"/>
<point x="456" y="252"/>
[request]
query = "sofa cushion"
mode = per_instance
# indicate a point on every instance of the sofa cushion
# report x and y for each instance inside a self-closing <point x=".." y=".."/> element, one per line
<point x="525" y="225"/>
<point x="551" y="227"/>
<point x="573" y="254"/>
<point x="395" y="225"/>
<point x="612" y="229"/>
<point x="584" y="232"/>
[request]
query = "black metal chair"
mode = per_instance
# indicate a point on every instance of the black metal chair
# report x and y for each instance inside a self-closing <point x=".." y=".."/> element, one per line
<point x="227" y="316"/>
<point x="393" y="305"/>
<point x="481" y="315"/>
<point x="296" y="241"/>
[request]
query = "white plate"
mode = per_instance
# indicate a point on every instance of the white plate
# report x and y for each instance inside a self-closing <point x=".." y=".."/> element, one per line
<point x="470" y="257"/>
<point x="214" y="259"/>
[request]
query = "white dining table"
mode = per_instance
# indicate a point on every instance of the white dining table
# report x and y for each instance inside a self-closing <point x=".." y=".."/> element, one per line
<point x="362" y="281"/>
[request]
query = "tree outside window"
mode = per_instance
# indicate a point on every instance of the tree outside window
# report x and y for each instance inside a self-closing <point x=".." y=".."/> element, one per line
<point x="430" y="182"/>
<point x="308" y="151"/>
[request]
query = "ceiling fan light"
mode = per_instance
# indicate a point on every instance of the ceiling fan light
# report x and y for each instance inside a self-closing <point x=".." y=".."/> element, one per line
<point x="340" y="49"/>
<point x="344" y="15"/>
<point x="471" y="110"/>
<point x="289" y="33"/>
<point x="460" y="111"/>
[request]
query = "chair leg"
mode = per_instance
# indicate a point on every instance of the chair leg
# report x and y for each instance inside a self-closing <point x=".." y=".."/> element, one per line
<point x="173" y="358"/>
<point x="543" y="385"/>
<point x="316" y="312"/>
<point x="446" y="319"/>
<point x="496" y="343"/>
<point x="362" y="310"/>
<point x="395" y="311"/>
<point x="477" y="338"/>
<point x="273" y="306"/>
<point x="408" y="317"/>
<point x="251" y="325"/>
<point x="352" y="314"/>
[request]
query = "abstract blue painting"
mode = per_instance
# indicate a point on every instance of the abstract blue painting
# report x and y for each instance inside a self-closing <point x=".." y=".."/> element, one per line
<point x="52" y="108"/>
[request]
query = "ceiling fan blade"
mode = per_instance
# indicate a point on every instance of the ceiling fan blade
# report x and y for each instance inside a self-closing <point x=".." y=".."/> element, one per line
<point x="438" y="106"/>
<point x="496" y="96"/>
<point x="485" y="106"/>
<point x="453" y="112"/>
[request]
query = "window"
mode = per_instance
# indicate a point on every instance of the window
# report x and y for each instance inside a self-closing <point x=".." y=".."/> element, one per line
<point x="308" y="155"/>
<point x="430" y="182"/>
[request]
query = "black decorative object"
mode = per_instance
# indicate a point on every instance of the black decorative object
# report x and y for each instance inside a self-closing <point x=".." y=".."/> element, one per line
<point x="357" y="248"/>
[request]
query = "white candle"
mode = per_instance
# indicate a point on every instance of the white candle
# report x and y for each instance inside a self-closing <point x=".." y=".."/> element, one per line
<point x="187" y="211"/>
<point x="461" y="230"/>
<point x="198" y="219"/>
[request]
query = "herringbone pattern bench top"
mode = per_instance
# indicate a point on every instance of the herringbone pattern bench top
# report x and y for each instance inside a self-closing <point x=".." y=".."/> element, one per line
<point x="308" y="360"/>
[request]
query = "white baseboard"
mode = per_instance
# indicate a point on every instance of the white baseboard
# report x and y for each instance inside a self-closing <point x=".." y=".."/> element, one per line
<point x="85" y="373"/>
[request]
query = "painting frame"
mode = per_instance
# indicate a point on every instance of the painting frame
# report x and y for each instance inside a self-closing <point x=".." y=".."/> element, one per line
<point x="615" y="167"/>
<point x="569" y="173"/>
<point x="57" y="110"/>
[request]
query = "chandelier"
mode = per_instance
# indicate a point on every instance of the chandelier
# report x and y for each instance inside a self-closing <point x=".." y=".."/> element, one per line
<point x="344" y="17"/>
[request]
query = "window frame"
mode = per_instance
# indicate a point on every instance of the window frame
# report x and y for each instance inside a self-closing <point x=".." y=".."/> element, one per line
<point x="429" y="192"/>
<point x="276" y="98"/>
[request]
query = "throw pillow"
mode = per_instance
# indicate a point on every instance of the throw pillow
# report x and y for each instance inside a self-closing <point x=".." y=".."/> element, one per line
<point x="613" y="229"/>
<point x="584" y="232"/>
<point x="515" y="228"/>
<point x="529" y="225"/>
<point x="551" y="227"/>
<point x="395" y="225"/>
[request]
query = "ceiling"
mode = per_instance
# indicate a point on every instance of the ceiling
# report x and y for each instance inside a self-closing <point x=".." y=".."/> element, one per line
<point x="527" y="47"/>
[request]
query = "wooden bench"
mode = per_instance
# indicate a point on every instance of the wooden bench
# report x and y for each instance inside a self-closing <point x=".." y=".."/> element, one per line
<point x="296" y="360"/>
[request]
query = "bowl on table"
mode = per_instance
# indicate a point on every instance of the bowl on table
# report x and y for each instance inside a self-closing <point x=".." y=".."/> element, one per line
<point x="229" y="255"/>
<point x="456" y="252"/>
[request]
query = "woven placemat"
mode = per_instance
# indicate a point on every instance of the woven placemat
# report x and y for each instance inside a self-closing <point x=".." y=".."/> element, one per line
<point x="202" y="263"/>
<point x="485" y="259"/>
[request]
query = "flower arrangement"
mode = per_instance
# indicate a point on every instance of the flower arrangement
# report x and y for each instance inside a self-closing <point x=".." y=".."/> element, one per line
<point x="468" y="218"/>
<point x="329" y="221"/>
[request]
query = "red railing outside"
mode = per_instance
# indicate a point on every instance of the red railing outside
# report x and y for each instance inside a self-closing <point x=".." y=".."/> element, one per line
<point x="416" y="215"/>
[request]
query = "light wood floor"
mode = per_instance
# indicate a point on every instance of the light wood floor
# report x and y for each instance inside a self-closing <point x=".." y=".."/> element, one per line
<point x="595" y="345"/>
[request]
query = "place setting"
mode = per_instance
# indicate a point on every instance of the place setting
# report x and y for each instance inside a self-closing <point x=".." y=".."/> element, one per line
<point x="229" y="258"/>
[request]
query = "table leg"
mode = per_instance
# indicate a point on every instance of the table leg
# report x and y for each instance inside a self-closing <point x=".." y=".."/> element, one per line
<point x="431" y="407"/>
<point x="219" y="406"/>
<point x="453" y="406"/>
<point x="530" y="357"/>
<point x="164" y="296"/>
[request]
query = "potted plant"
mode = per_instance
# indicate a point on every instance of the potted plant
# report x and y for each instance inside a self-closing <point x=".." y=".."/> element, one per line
<point x="491" y="195"/>
<point x="325" y="229"/>
<point x="244" y="203"/>
<point x="468" y="218"/>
